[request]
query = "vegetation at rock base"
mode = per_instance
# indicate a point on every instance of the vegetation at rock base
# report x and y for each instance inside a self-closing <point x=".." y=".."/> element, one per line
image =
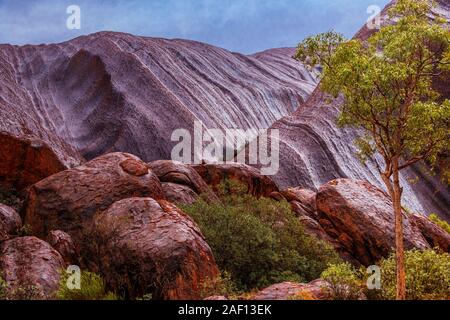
<point x="24" y="292"/>
<point x="222" y="285"/>
<point x="387" y="86"/>
<point x="441" y="223"/>
<point x="259" y="241"/>
<point x="92" y="287"/>
<point x="345" y="282"/>
<point x="428" y="278"/>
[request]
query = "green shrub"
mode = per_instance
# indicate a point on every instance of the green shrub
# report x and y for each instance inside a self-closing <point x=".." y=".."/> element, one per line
<point x="92" y="287"/>
<point x="259" y="241"/>
<point x="3" y="288"/>
<point x="427" y="275"/>
<point x="441" y="223"/>
<point x="222" y="285"/>
<point x="345" y="282"/>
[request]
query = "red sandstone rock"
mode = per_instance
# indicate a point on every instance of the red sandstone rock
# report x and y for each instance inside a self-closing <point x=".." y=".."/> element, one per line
<point x="62" y="242"/>
<point x="360" y="217"/>
<point x="10" y="221"/>
<point x="152" y="247"/>
<point x="257" y="184"/>
<point x="315" y="290"/>
<point x="30" y="266"/>
<point x="67" y="200"/>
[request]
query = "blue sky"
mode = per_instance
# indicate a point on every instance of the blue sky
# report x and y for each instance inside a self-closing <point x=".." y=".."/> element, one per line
<point x="245" y="26"/>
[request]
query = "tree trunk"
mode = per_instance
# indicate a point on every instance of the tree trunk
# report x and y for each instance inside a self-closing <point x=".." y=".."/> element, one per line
<point x="399" y="243"/>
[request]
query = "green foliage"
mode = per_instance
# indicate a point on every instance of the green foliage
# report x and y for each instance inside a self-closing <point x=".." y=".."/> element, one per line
<point x="345" y="282"/>
<point x="92" y="287"/>
<point x="3" y="288"/>
<point x="259" y="241"/>
<point x="441" y="223"/>
<point x="427" y="276"/>
<point x="222" y="285"/>
<point x="24" y="292"/>
<point x="387" y="84"/>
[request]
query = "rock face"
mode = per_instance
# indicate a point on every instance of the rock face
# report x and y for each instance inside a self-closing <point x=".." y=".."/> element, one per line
<point x="313" y="151"/>
<point x="152" y="247"/>
<point x="63" y="243"/>
<point x="10" y="221"/>
<point x="66" y="200"/>
<point x="30" y="266"/>
<point x="26" y="160"/>
<point x="291" y="290"/>
<point x="360" y="217"/>
<point x="257" y="184"/>
<point x="112" y="91"/>
<point x="181" y="183"/>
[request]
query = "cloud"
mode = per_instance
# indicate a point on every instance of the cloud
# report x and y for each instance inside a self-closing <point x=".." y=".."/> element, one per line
<point x="240" y="25"/>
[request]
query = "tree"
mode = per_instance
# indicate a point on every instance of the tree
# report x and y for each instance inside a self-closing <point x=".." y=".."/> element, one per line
<point x="386" y="83"/>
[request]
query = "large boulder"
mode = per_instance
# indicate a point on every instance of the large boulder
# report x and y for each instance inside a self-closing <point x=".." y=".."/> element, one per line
<point x="256" y="183"/>
<point x="143" y="245"/>
<point x="179" y="173"/>
<point x="30" y="267"/>
<point x="179" y="194"/>
<point x="360" y="217"/>
<point x="69" y="199"/>
<point x="26" y="160"/>
<point x="10" y="221"/>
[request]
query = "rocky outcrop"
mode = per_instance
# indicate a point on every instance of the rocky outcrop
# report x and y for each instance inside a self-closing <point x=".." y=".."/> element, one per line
<point x="67" y="200"/>
<point x="314" y="150"/>
<point x="63" y="243"/>
<point x="315" y="290"/>
<point x="360" y="217"/>
<point x="10" y="221"/>
<point x="79" y="92"/>
<point x="181" y="183"/>
<point x="26" y="160"/>
<point x="30" y="267"/>
<point x="151" y="246"/>
<point x="256" y="184"/>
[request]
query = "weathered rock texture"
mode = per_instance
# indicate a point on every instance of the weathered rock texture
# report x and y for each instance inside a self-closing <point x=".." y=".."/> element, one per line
<point x="10" y="221"/>
<point x="25" y="160"/>
<point x="67" y="200"/>
<point x="63" y="243"/>
<point x="315" y="290"/>
<point x="360" y="218"/>
<point x="117" y="92"/>
<point x="313" y="151"/>
<point x="256" y="183"/>
<point x="31" y="268"/>
<point x="151" y="246"/>
<point x="181" y="183"/>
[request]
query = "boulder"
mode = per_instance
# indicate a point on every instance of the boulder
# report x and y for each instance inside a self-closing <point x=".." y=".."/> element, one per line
<point x="178" y="173"/>
<point x="256" y="183"/>
<point x="26" y="160"/>
<point x="315" y="290"/>
<point x="151" y="246"/>
<point x="62" y="242"/>
<point x="179" y="194"/>
<point x="10" y="221"/>
<point x="360" y="217"/>
<point x="69" y="199"/>
<point x="434" y="234"/>
<point x="30" y="267"/>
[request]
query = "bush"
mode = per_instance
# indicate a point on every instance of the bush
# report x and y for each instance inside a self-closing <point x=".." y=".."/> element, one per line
<point x="3" y="287"/>
<point x="92" y="287"/>
<point x="427" y="275"/>
<point x="345" y="282"/>
<point x="222" y="285"/>
<point x="259" y="241"/>
<point x="441" y="223"/>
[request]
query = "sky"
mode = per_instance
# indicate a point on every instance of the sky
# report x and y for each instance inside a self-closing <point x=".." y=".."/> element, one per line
<point x="245" y="26"/>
